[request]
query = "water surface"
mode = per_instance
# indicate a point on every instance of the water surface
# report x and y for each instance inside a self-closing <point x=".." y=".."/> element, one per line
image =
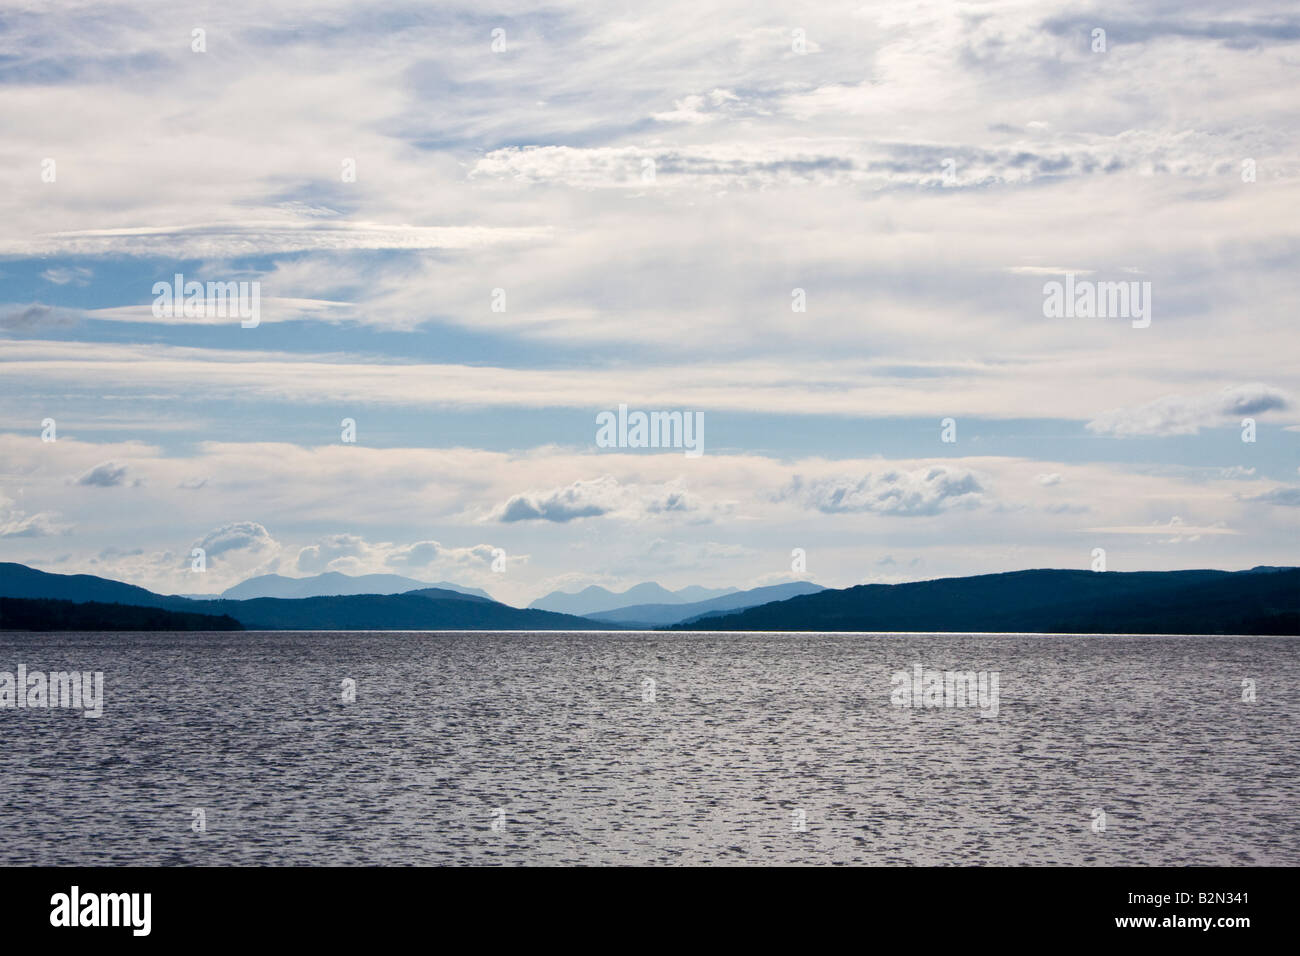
<point x="744" y="730"/>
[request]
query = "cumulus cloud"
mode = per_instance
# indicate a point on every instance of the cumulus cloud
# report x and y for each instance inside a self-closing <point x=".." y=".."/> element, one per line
<point x="1187" y="415"/>
<point x="15" y="523"/>
<point x="433" y="556"/>
<point x="247" y="539"/>
<point x="418" y="555"/>
<point x="323" y="555"/>
<point x="354" y="554"/>
<point x="927" y="491"/>
<point x="108" y="474"/>
<point x="698" y="108"/>
<point x="595" y="498"/>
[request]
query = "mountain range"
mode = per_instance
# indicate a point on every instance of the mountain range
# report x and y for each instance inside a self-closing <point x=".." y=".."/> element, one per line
<point x="424" y="609"/>
<point x="334" y="583"/>
<point x="598" y="600"/>
<point x="1258" y="601"/>
<point x="335" y="601"/>
<point x="661" y="615"/>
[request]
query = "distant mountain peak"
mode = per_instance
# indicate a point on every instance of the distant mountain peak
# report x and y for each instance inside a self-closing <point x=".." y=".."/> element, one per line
<point x="659" y="615"/>
<point x="336" y="583"/>
<point x="594" y="599"/>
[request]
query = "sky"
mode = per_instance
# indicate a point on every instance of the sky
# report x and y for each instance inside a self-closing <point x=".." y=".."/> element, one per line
<point x="826" y="231"/>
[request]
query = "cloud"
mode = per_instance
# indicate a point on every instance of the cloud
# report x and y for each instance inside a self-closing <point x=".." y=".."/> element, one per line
<point x="270" y="309"/>
<point x="228" y="240"/>
<point x="417" y="555"/>
<point x="1048" y="480"/>
<point x="924" y="297"/>
<point x="1287" y="496"/>
<point x="109" y="474"/>
<point x="120" y="553"/>
<point x="458" y="490"/>
<point x="1236" y="34"/>
<point x="797" y="161"/>
<point x="322" y="555"/>
<point x="18" y="524"/>
<point x="353" y="554"/>
<point x="795" y="383"/>
<point x="65" y="275"/>
<point x="22" y="318"/>
<point x="698" y="108"/>
<point x="595" y="498"/>
<point x="433" y="556"/>
<point x="1187" y="415"/>
<point x="240" y="536"/>
<point x="1175" y="526"/>
<point x="922" y="492"/>
<point x="680" y="555"/>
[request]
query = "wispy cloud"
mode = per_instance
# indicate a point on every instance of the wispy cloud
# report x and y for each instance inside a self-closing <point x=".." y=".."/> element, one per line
<point x="1186" y="415"/>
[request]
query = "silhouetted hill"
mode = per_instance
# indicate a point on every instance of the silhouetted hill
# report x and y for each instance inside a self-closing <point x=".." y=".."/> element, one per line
<point x="427" y="609"/>
<point x="1260" y="601"/>
<point x="20" y="581"/>
<point x="659" y="615"/>
<point x="47" y="614"/>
